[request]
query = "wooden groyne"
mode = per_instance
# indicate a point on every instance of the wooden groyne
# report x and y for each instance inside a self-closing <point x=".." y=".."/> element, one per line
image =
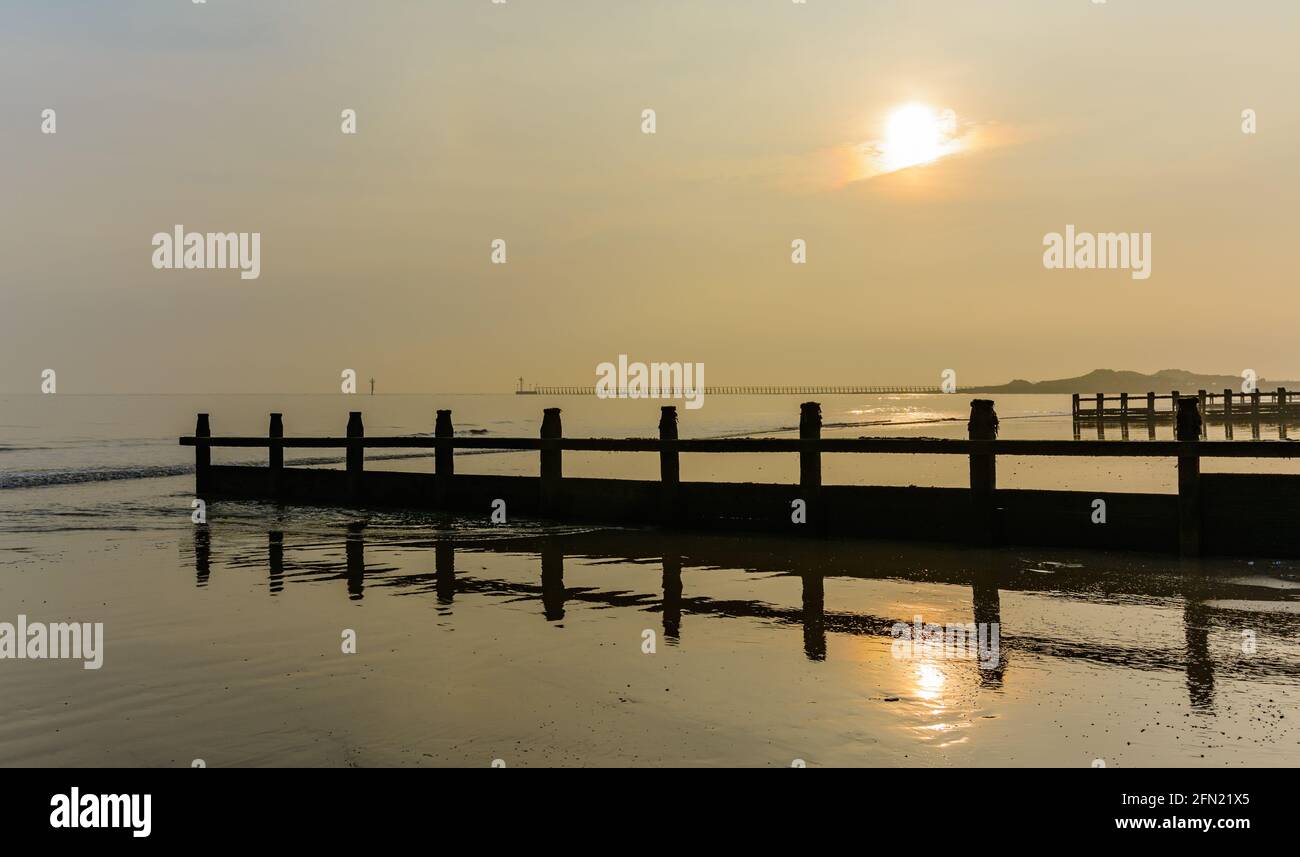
<point x="1212" y="513"/>
<point x="1274" y="408"/>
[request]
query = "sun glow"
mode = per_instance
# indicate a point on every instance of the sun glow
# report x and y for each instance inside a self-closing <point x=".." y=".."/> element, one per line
<point x="930" y="680"/>
<point x="915" y="134"/>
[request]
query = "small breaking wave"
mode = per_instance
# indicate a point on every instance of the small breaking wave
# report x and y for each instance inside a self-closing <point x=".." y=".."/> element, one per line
<point x="75" y="476"/>
<point x="43" y="478"/>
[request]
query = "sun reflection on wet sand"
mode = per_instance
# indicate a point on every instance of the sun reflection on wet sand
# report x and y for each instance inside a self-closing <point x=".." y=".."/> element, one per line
<point x="930" y="680"/>
<point x="940" y="724"/>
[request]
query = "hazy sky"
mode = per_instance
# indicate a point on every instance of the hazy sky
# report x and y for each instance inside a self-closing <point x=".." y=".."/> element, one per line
<point x="523" y="121"/>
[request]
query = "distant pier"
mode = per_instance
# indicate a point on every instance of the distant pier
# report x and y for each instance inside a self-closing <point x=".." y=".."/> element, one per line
<point x="746" y="390"/>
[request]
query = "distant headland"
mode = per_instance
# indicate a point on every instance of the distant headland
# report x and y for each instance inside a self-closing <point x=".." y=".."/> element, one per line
<point x="1124" y="381"/>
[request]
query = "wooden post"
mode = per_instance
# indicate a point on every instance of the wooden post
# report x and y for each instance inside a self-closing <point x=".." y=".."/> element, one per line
<point x="202" y="457"/>
<point x="276" y="453"/>
<point x="810" y="462"/>
<point x="1254" y="413"/>
<point x="983" y="425"/>
<point x="670" y="472"/>
<point x="1205" y="414"/>
<point x="1101" y="415"/>
<point x="1123" y="407"/>
<point x="1074" y="413"/>
<point x="1187" y="428"/>
<point x="1173" y="403"/>
<point x="552" y="468"/>
<point x="1281" y="412"/>
<point x="356" y="455"/>
<point x="1151" y="414"/>
<point x="444" y="462"/>
<point x="1227" y="413"/>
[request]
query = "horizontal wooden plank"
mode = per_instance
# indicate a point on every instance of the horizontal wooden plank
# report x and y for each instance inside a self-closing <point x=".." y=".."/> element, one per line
<point x="883" y="445"/>
<point x="1245" y="514"/>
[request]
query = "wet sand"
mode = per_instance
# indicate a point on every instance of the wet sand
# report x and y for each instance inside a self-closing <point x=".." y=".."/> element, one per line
<point x="524" y="642"/>
<point x="525" y="645"/>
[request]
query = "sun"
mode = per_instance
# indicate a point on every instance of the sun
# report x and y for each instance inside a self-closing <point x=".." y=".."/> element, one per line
<point x="915" y="134"/>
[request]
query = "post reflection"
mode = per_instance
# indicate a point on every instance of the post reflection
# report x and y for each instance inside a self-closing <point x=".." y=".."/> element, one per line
<point x="814" y="615"/>
<point x="1191" y="656"/>
<point x="553" y="594"/>
<point x="1200" y="666"/>
<point x="672" y="603"/>
<point x="354" y="552"/>
<point x="444" y="554"/>
<point x="275" y="559"/>
<point x="1197" y="619"/>
<point x="202" y="555"/>
<point x="987" y="603"/>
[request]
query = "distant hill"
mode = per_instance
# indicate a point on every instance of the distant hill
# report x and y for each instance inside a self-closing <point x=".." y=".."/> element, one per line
<point x="1123" y="381"/>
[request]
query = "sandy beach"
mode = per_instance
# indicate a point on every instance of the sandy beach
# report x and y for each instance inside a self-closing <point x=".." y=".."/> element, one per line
<point x="525" y="642"/>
